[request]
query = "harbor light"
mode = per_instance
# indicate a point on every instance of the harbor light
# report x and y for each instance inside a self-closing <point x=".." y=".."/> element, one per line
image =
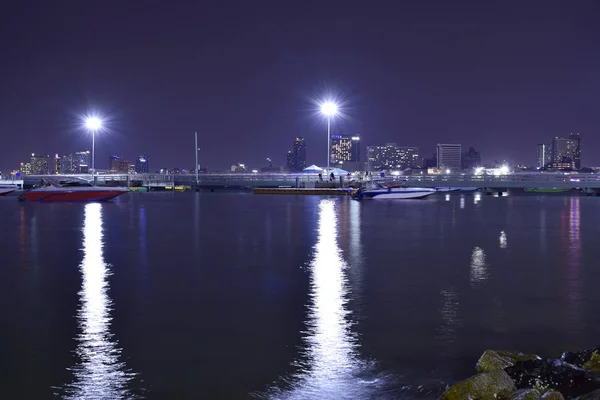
<point x="93" y="123"/>
<point x="329" y="109"/>
<point x="504" y="170"/>
<point x="254" y="171"/>
<point x="447" y="171"/>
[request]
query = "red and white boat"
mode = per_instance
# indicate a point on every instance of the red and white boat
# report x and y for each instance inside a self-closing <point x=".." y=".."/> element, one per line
<point x="72" y="190"/>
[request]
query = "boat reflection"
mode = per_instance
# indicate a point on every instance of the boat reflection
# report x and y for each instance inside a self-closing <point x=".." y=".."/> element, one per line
<point x="330" y="365"/>
<point x="99" y="374"/>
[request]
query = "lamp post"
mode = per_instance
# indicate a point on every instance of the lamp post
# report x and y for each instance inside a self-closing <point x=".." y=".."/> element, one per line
<point x="329" y="109"/>
<point x="93" y="124"/>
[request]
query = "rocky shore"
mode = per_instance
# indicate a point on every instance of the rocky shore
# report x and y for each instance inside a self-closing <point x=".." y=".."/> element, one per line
<point x="507" y="375"/>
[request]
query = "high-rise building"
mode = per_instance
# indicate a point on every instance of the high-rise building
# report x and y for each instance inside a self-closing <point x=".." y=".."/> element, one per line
<point x="114" y="164"/>
<point x="544" y="155"/>
<point x="296" y="158"/>
<point x="449" y="156"/>
<point x="66" y="164"/>
<point x="566" y="152"/>
<point x="471" y="159"/>
<point x="56" y="165"/>
<point x="344" y="148"/>
<point x="391" y="156"/>
<point x="117" y="165"/>
<point x="141" y="165"/>
<point x="39" y="164"/>
<point x="576" y="149"/>
<point x="82" y="162"/>
<point x="25" y="168"/>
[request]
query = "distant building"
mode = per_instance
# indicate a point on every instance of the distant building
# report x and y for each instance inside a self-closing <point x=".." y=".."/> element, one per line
<point x="81" y="162"/>
<point x="471" y="159"/>
<point x="576" y="149"/>
<point x="56" y="164"/>
<point x="344" y="148"/>
<point x="544" y="155"/>
<point x="391" y="156"/>
<point x="566" y="152"/>
<point x="117" y="165"/>
<point x="25" y="168"/>
<point x="239" y="168"/>
<point x="449" y="156"/>
<point x="430" y="162"/>
<point x="66" y="164"/>
<point x="141" y="165"/>
<point x="39" y="164"/>
<point x="296" y="158"/>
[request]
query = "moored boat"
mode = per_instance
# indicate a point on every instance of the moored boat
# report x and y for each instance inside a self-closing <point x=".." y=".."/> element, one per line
<point x="6" y="189"/>
<point x="447" y="189"/>
<point x="392" y="193"/>
<point x="75" y="190"/>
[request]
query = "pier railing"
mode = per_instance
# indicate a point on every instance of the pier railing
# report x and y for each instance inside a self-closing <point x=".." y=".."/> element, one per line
<point x="251" y="180"/>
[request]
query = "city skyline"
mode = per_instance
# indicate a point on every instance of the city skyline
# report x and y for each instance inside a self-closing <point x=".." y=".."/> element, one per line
<point x="499" y="78"/>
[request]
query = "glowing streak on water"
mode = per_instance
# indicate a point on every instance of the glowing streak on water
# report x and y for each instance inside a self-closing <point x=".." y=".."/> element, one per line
<point x="99" y="373"/>
<point x="330" y="366"/>
<point x="478" y="266"/>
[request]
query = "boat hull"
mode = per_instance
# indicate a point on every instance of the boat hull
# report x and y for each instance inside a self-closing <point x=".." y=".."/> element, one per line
<point x="72" y="196"/>
<point x="447" y="189"/>
<point x="4" y="192"/>
<point x="395" y="194"/>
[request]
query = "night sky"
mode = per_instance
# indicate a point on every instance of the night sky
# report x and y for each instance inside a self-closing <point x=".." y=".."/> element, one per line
<point x="500" y="76"/>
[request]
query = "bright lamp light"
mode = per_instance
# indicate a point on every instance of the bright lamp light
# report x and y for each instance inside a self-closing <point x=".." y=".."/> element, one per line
<point x="329" y="108"/>
<point x="93" y="123"/>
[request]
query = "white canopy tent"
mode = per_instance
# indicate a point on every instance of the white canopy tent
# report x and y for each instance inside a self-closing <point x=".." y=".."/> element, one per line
<point x="313" y="168"/>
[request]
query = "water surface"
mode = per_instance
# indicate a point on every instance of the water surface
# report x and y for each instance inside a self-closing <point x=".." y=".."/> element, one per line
<point x="233" y="295"/>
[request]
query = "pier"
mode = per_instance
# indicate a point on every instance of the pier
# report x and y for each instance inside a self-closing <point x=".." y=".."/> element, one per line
<point x="216" y="181"/>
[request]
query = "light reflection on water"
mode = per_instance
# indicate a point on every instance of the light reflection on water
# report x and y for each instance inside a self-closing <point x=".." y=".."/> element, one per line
<point x="503" y="240"/>
<point x="330" y="367"/>
<point x="478" y="266"/>
<point x="99" y="373"/>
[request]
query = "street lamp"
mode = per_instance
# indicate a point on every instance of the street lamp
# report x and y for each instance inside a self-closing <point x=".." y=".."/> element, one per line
<point x="329" y="109"/>
<point x="93" y="124"/>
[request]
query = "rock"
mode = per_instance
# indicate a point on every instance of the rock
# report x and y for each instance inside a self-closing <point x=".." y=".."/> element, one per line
<point x="595" y="395"/>
<point x="580" y="357"/>
<point x="593" y="364"/>
<point x="491" y="360"/>
<point x="526" y="394"/>
<point x="552" y="395"/>
<point x="490" y="385"/>
<point x="568" y="379"/>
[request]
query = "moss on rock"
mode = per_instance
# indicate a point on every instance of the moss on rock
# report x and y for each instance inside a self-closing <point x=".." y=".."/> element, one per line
<point x="593" y="364"/>
<point x="492" y="360"/>
<point x="492" y="385"/>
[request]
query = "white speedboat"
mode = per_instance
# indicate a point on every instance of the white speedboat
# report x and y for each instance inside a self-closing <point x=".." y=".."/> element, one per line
<point x="392" y="193"/>
<point x="6" y="189"/>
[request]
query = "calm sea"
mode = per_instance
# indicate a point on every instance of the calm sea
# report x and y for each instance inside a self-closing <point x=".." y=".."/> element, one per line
<point x="237" y="296"/>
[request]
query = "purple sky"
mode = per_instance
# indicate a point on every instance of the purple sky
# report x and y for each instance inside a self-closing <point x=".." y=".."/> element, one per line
<point x="499" y="76"/>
